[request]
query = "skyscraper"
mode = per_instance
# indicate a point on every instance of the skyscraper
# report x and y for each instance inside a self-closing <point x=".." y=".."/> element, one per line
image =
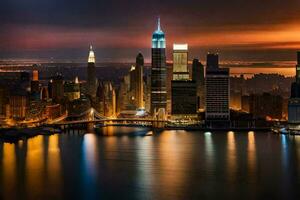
<point x="147" y="93"/>
<point x="217" y="90"/>
<point x="91" y="74"/>
<point x="158" y="71"/>
<point x="295" y="89"/>
<point x="212" y="61"/>
<point x="198" y="77"/>
<point x="57" y="88"/>
<point x="294" y="101"/>
<point x="110" y="100"/>
<point x="184" y="98"/>
<point x="298" y="68"/>
<point x="100" y="98"/>
<point x="139" y="82"/>
<point x="35" y="75"/>
<point x="72" y="89"/>
<point x="131" y="90"/>
<point x="180" y="62"/>
<point x="126" y="93"/>
<point x="35" y="85"/>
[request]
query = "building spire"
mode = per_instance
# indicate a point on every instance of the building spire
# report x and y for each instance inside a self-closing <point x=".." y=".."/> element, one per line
<point x="91" y="58"/>
<point x="158" y="24"/>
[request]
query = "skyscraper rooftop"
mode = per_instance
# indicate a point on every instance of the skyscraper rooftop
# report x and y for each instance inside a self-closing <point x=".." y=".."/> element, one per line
<point x="91" y="58"/>
<point x="158" y="37"/>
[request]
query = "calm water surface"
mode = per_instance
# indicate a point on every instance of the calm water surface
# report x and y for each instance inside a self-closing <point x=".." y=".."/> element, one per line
<point x="167" y="165"/>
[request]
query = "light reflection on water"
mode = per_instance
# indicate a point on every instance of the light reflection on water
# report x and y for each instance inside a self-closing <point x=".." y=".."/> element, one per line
<point x="297" y="149"/>
<point x="167" y="165"/>
<point x="35" y="168"/>
<point x="209" y="151"/>
<point x="231" y="158"/>
<point x="89" y="171"/>
<point x="145" y="166"/>
<point x="9" y="169"/>
<point x="284" y="150"/>
<point x="53" y="165"/>
<point x="89" y="154"/>
<point x="251" y="156"/>
<point x="174" y="156"/>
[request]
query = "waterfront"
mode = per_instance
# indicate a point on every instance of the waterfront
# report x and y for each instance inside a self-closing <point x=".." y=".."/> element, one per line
<point x="167" y="165"/>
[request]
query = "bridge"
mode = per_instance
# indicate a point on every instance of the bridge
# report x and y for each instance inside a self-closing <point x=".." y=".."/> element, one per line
<point x="111" y="121"/>
<point x="91" y="116"/>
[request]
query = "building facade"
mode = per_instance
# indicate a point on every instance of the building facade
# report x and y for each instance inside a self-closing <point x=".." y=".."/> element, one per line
<point x="72" y="90"/>
<point x="294" y="111"/>
<point x="212" y="61"/>
<point x="57" y="88"/>
<point x="217" y="90"/>
<point x="35" y="86"/>
<point x="265" y="106"/>
<point x="184" y="93"/>
<point x="294" y="101"/>
<point x="53" y="111"/>
<point x="198" y="77"/>
<point x="184" y="99"/>
<point x="18" y="106"/>
<point x="180" y="62"/>
<point x="137" y="82"/>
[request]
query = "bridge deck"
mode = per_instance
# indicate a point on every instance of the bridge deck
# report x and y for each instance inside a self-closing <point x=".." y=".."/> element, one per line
<point x="108" y="120"/>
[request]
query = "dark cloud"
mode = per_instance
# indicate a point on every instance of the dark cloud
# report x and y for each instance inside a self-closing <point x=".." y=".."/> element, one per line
<point x="119" y="12"/>
<point x="127" y="20"/>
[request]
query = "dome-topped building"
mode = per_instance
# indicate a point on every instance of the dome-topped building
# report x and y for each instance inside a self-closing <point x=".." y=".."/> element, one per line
<point x="158" y="37"/>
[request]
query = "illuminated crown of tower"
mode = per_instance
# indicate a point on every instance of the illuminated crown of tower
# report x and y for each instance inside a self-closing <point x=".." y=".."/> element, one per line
<point x="158" y="37"/>
<point x="91" y="58"/>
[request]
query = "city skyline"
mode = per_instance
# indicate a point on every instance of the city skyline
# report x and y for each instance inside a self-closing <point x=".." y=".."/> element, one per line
<point x="112" y="99"/>
<point x="257" y="30"/>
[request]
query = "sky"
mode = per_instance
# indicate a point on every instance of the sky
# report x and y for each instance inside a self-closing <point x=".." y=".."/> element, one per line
<point x="243" y="30"/>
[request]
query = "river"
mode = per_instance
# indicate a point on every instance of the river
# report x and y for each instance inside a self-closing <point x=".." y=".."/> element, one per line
<point x="167" y="165"/>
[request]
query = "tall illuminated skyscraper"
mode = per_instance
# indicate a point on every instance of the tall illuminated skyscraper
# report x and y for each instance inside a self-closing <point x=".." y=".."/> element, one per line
<point x="180" y="62"/>
<point x="158" y="70"/>
<point x="184" y="98"/>
<point x="91" y="74"/>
